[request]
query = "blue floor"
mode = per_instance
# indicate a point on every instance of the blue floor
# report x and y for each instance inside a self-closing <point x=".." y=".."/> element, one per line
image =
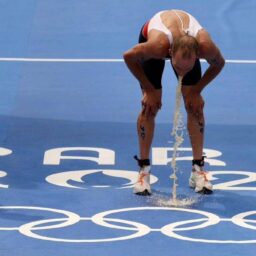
<point x="68" y="136"/>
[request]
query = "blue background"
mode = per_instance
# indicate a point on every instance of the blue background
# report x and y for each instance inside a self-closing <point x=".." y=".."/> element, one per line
<point x="46" y="105"/>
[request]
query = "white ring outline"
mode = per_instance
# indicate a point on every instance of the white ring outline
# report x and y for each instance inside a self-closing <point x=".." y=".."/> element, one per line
<point x="240" y="221"/>
<point x="25" y="229"/>
<point x="99" y="217"/>
<point x="141" y="228"/>
<point x="72" y="217"/>
<point x="169" y="229"/>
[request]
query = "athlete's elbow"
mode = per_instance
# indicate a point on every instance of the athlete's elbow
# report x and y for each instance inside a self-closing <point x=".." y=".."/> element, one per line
<point x="134" y="54"/>
<point x="222" y="63"/>
<point x="129" y="56"/>
<point x="219" y="65"/>
<point x="126" y="56"/>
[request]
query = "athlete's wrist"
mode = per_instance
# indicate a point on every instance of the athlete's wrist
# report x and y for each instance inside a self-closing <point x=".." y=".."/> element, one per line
<point x="148" y="88"/>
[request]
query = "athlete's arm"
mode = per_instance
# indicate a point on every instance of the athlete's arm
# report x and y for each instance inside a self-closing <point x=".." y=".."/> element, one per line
<point x="141" y="52"/>
<point x="211" y="53"/>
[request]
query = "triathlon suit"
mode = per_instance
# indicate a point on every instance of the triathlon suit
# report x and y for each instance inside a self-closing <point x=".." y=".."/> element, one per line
<point x="153" y="68"/>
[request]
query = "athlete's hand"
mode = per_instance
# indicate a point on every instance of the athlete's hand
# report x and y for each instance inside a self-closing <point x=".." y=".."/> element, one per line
<point x="151" y="103"/>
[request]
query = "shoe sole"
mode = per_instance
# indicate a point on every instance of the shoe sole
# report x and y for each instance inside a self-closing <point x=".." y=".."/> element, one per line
<point x="205" y="191"/>
<point x="143" y="193"/>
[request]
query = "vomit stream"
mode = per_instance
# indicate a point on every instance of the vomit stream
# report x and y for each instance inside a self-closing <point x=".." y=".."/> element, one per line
<point x="177" y="133"/>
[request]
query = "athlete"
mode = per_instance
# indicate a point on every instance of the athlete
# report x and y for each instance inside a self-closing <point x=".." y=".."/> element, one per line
<point x="177" y="35"/>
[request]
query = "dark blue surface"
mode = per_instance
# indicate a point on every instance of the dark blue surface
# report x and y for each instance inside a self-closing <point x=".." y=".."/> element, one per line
<point x="30" y="138"/>
<point x="49" y="105"/>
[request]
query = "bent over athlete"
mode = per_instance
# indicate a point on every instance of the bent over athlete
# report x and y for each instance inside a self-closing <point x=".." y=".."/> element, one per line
<point x="177" y="35"/>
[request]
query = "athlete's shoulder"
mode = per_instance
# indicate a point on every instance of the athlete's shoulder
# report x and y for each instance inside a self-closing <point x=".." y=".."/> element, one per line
<point x="209" y="50"/>
<point x="206" y="44"/>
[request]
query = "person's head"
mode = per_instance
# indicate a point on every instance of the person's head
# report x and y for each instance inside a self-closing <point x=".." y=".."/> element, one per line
<point x="183" y="53"/>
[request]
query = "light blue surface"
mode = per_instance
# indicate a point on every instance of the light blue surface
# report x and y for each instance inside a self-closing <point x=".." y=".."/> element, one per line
<point x="49" y="105"/>
<point x="83" y="29"/>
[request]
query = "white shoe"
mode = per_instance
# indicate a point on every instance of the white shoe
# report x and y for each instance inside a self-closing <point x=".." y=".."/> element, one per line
<point x="142" y="186"/>
<point x="198" y="180"/>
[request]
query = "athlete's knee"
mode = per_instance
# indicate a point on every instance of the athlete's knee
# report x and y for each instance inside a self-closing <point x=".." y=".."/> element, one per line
<point x="147" y="117"/>
<point x="194" y="107"/>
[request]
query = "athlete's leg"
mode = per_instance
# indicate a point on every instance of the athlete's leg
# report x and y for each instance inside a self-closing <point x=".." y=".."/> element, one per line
<point x="153" y="69"/>
<point x="195" y="126"/>
<point x="195" y="123"/>
<point x="145" y="129"/>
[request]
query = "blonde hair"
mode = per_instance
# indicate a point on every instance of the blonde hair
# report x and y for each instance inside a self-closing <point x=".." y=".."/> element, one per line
<point x="187" y="44"/>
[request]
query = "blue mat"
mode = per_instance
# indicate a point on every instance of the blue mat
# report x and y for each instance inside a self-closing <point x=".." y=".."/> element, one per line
<point x="68" y="135"/>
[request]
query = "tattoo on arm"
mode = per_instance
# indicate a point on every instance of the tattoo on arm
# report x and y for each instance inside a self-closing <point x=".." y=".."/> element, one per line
<point x="216" y="62"/>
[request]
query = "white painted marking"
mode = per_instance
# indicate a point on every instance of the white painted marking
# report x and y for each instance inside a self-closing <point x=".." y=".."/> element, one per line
<point x="2" y="59"/>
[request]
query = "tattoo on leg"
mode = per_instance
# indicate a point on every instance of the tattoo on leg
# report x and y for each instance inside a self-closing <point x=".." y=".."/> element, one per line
<point x="201" y="126"/>
<point x="142" y="132"/>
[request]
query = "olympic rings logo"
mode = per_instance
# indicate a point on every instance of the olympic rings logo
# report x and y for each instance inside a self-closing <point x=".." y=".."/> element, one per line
<point x="103" y="219"/>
